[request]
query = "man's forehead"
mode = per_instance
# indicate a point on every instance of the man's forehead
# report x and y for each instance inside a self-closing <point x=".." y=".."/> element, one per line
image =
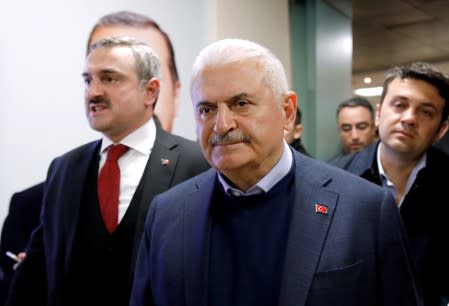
<point x="109" y="59"/>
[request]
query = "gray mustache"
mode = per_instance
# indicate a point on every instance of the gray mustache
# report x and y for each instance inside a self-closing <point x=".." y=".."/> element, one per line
<point x="227" y="138"/>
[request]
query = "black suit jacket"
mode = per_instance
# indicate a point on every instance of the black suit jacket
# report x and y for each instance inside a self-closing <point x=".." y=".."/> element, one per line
<point x="22" y="219"/>
<point x="40" y="277"/>
<point x="424" y="210"/>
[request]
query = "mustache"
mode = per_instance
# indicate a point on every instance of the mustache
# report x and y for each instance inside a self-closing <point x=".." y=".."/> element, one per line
<point x="227" y="138"/>
<point x="100" y="99"/>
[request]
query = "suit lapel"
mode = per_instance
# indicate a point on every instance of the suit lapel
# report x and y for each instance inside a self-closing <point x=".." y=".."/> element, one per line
<point x="307" y="232"/>
<point x="73" y="191"/>
<point x="156" y="178"/>
<point x="197" y="228"/>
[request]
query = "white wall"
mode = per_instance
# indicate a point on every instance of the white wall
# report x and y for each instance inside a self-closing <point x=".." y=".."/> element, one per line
<point x="42" y="49"/>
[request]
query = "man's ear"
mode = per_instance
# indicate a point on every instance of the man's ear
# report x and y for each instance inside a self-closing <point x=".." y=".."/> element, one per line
<point x="152" y="87"/>
<point x="176" y="93"/>
<point x="290" y="104"/>
<point x="298" y="131"/>
<point x="443" y="129"/>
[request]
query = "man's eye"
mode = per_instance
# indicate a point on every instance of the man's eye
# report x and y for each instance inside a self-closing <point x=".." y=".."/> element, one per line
<point x="241" y="103"/>
<point x="362" y="126"/>
<point x="204" y="110"/>
<point x="428" y="113"/>
<point x="346" y="128"/>
<point x="87" y="81"/>
<point x="399" y="105"/>
<point x="108" y="79"/>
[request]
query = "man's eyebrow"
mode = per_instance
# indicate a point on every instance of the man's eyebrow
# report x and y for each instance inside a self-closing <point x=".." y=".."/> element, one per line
<point x="103" y="71"/>
<point x="239" y="96"/>
<point x="406" y="99"/>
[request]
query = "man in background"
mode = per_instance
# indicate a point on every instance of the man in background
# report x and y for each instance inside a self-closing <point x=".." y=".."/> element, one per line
<point x="85" y="246"/>
<point x="22" y="219"/>
<point x="141" y="27"/>
<point x="294" y="132"/>
<point x="355" y="120"/>
<point x="122" y="23"/>
<point x="413" y="115"/>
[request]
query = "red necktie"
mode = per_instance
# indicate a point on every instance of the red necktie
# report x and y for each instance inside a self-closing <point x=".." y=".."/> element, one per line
<point x="109" y="186"/>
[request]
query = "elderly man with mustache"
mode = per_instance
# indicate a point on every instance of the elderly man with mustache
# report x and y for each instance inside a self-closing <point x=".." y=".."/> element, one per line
<point x="267" y="225"/>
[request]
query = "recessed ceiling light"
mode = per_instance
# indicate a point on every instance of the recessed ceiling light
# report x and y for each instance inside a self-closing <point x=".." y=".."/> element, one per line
<point x="369" y="91"/>
<point x="367" y="80"/>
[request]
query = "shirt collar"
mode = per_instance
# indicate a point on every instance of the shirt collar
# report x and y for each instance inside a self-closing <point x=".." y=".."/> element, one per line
<point x="280" y="169"/>
<point x="141" y="140"/>
<point x="411" y="179"/>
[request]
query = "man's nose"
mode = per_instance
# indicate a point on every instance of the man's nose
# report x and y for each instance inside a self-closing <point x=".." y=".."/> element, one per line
<point x="409" y="116"/>
<point x="93" y="89"/>
<point x="224" y="120"/>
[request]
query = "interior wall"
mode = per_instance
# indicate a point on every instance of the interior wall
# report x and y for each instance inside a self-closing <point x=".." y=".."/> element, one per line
<point x="321" y="67"/>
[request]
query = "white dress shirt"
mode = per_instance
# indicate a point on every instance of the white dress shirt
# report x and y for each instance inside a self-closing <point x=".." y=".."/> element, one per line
<point x="132" y="163"/>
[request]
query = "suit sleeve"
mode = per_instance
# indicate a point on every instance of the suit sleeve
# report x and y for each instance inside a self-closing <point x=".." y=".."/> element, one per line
<point x="397" y="271"/>
<point x="29" y="283"/>
<point x="141" y="291"/>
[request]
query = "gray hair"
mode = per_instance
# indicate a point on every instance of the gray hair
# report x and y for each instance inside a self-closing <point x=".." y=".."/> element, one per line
<point x="147" y="62"/>
<point x="229" y="51"/>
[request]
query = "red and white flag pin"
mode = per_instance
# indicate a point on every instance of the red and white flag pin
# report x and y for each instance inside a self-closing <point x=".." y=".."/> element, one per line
<point x="320" y="209"/>
<point x="165" y="162"/>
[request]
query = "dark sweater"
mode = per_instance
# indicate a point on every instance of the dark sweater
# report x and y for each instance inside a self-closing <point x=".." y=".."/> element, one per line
<point x="249" y="235"/>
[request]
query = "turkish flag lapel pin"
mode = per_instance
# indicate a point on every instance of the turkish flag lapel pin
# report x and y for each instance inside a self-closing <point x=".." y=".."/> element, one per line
<point x="320" y="209"/>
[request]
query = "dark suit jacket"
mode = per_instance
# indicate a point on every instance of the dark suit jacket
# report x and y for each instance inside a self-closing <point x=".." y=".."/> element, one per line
<point x="22" y="219"/>
<point x="424" y="210"/>
<point x="355" y="254"/>
<point x="49" y="253"/>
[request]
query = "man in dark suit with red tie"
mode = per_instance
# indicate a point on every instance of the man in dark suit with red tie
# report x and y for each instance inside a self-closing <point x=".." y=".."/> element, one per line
<point x="82" y="252"/>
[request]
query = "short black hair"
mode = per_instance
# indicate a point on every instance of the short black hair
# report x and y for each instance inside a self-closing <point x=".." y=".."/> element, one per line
<point x="356" y="101"/>
<point x="298" y="116"/>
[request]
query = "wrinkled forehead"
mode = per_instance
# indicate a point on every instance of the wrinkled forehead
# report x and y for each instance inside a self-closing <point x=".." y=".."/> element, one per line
<point x="222" y="79"/>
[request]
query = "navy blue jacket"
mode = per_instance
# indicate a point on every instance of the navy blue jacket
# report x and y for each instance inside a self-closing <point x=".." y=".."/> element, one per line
<point x="345" y="244"/>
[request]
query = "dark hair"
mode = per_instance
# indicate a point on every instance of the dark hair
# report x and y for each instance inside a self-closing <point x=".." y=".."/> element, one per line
<point x="424" y="72"/>
<point x="357" y="101"/>
<point x="138" y="21"/>
<point x="298" y="116"/>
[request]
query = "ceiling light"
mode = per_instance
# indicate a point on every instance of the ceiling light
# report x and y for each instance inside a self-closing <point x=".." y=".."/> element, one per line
<point x="367" y="80"/>
<point x="368" y="91"/>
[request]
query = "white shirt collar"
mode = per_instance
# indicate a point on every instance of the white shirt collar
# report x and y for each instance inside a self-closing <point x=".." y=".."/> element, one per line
<point x="141" y="140"/>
